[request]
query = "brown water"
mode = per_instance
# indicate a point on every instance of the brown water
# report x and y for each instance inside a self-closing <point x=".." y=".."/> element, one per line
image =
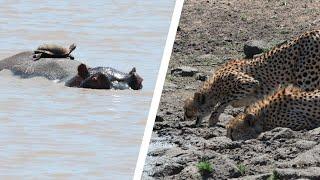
<point x="48" y="131"/>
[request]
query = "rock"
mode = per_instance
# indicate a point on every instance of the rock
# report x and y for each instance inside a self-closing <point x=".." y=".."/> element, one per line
<point x="307" y="158"/>
<point x="260" y="160"/>
<point x="254" y="47"/>
<point x="304" y="144"/>
<point x="225" y="167"/>
<point x="190" y="172"/>
<point x="284" y="133"/>
<point x="219" y="143"/>
<point x="276" y="133"/>
<point x="308" y="173"/>
<point x="184" y="71"/>
<point x="254" y="177"/>
<point x="315" y="131"/>
<point x="179" y="28"/>
<point x="169" y="170"/>
<point x="157" y="152"/>
<point x="201" y="77"/>
<point x="159" y="119"/>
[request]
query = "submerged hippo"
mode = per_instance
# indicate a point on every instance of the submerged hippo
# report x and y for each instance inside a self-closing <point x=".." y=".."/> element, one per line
<point x="105" y="78"/>
<point x="74" y="73"/>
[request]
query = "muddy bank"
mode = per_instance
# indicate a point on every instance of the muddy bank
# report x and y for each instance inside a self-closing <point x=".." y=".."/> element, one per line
<point x="210" y="33"/>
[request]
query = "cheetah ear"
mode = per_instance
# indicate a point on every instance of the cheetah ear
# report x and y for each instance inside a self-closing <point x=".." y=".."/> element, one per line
<point x="249" y="119"/>
<point x="199" y="98"/>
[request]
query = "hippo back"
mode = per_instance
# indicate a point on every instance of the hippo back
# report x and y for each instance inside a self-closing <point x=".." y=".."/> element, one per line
<point x="22" y="64"/>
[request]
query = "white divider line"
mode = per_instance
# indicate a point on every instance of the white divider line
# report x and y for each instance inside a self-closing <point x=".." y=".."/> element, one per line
<point x="158" y="89"/>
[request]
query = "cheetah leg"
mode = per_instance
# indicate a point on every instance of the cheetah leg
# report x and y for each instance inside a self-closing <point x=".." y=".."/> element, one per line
<point x="199" y="121"/>
<point x="214" y="117"/>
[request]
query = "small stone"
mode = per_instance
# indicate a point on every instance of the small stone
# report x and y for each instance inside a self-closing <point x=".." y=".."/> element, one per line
<point x="159" y="119"/>
<point x="254" y="47"/>
<point x="184" y="71"/>
<point x="201" y="77"/>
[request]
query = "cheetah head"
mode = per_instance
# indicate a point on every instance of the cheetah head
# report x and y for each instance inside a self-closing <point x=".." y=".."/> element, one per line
<point x="243" y="127"/>
<point x="234" y="88"/>
<point x="195" y="106"/>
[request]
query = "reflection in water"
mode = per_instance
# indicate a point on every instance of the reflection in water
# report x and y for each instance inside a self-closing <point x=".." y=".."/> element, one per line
<point x="51" y="131"/>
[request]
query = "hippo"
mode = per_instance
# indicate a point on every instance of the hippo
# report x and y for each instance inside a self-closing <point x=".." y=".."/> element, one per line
<point x="105" y="78"/>
<point x="73" y="73"/>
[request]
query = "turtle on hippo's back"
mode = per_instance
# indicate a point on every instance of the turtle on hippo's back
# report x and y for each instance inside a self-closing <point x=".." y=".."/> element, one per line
<point x="73" y="73"/>
<point x="53" y="51"/>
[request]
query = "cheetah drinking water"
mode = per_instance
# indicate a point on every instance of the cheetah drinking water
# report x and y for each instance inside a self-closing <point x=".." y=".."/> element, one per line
<point x="242" y="82"/>
<point x="289" y="107"/>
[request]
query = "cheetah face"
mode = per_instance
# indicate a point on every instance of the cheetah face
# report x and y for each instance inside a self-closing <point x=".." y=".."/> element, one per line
<point x="194" y="107"/>
<point x="243" y="127"/>
<point x="235" y="88"/>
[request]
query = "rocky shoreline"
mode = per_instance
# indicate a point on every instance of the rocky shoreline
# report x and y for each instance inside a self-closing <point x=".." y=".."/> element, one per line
<point x="210" y="33"/>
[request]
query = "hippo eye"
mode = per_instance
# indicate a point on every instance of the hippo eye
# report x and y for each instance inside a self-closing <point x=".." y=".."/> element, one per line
<point x="95" y="78"/>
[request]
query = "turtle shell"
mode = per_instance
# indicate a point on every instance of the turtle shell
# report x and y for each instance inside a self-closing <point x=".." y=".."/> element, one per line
<point x="54" y="49"/>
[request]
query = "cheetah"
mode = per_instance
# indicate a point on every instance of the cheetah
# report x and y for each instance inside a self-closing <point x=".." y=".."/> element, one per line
<point x="242" y="82"/>
<point x="289" y="107"/>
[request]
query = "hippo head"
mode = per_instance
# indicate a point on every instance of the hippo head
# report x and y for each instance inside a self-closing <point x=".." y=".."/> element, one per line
<point x="134" y="81"/>
<point x="96" y="81"/>
<point x="83" y="73"/>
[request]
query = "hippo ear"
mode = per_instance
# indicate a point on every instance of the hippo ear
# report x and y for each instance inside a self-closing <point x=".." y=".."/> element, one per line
<point x="83" y="71"/>
<point x="249" y="119"/>
<point x="133" y="70"/>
